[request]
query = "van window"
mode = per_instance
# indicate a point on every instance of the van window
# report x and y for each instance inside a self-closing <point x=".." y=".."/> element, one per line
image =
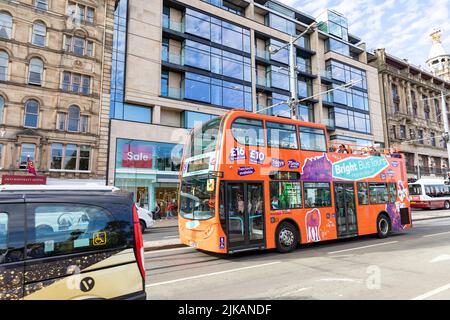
<point x="3" y="233"/>
<point x="312" y="139"/>
<point x="282" y="136"/>
<point x="415" y="189"/>
<point x="58" y="229"/>
<point x="248" y="132"/>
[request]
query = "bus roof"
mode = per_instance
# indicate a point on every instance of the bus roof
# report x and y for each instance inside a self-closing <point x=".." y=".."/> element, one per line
<point x="429" y="181"/>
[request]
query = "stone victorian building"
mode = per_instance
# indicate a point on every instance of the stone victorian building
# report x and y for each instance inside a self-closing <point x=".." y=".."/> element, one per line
<point x="55" y="65"/>
<point x="412" y="109"/>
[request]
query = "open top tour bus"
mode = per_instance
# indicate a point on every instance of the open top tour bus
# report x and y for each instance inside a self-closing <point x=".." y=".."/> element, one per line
<point x="252" y="182"/>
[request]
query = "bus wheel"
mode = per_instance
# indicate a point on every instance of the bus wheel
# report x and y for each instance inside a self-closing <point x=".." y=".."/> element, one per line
<point x="447" y="205"/>
<point x="287" y="237"/>
<point x="383" y="226"/>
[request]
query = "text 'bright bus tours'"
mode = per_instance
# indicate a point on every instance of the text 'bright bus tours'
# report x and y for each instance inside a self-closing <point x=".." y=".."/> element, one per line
<point x="252" y="182"/>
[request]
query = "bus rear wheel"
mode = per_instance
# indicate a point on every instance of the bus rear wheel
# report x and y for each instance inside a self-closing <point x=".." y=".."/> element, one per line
<point x="287" y="237"/>
<point x="383" y="226"/>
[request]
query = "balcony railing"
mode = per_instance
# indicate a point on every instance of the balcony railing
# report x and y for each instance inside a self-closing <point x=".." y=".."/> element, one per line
<point x="263" y="81"/>
<point x="330" y="123"/>
<point x="172" y="25"/>
<point x="263" y="54"/>
<point x="304" y="66"/>
<point x="171" y="58"/>
<point x="326" y="74"/>
<point x="172" y="93"/>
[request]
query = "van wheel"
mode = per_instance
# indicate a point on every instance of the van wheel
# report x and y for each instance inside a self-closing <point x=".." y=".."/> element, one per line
<point x="287" y="237"/>
<point x="447" y="205"/>
<point x="143" y="226"/>
<point x="383" y="226"/>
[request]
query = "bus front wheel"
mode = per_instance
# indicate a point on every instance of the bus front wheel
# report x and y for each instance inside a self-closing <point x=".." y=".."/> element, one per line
<point x="383" y="226"/>
<point x="287" y="237"/>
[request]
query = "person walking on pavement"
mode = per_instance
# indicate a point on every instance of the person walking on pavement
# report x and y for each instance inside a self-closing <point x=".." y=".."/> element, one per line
<point x="157" y="211"/>
<point x="170" y="208"/>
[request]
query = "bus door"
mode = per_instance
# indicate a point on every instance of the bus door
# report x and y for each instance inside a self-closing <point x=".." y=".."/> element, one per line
<point x="244" y="203"/>
<point x="347" y="224"/>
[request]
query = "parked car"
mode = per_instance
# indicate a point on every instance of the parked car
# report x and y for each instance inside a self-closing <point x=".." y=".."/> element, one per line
<point x="59" y="243"/>
<point x="145" y="218"/>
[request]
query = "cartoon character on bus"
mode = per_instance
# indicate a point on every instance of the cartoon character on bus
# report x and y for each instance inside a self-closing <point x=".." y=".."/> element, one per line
<point x="402" y="191"/>
<point x="312" y="225"/>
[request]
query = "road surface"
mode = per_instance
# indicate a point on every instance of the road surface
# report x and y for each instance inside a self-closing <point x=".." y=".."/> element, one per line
<point x="412" y="265"/>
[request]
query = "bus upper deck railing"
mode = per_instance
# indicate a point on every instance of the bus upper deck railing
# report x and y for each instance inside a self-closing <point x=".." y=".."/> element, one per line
<point x="366" y="151"/>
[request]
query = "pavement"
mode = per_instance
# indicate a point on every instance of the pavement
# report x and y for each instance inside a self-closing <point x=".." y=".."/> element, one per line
<point x="411" y="265"/>
<point x="164" y="234"/>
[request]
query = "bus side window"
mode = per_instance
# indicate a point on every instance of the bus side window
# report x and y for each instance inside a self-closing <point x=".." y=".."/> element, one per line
<point x="392" y="192"/>
<point x="363" y="193"/>
<point x="312" y="139"/>
<point x="378" y="193"/>
<point x="248" y="132"/>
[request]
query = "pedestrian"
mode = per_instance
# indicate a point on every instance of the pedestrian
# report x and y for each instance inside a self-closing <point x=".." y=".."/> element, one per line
<point x="157" y="211"/>
<point x="170" y="208"/>
<point x="342" y="149"/>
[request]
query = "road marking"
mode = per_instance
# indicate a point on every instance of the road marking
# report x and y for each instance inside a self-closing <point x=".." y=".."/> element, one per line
<point x="359" y="248"/>
<point x="444" y="257"/>
<point x="436" y="234"/>
<point x="211" y="274"/>
<point x="433" y="292"/>
<point x="168" y="250"/>
<point x="167" y="237"/>
<point x="342" y="280"/>
<point x="291" y="292"/>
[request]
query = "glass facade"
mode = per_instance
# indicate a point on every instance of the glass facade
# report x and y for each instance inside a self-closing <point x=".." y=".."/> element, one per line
<point x="279" y="78"/>
<point x="282" y="55"/>
<point x="304" y="87"/>
<point x="351" y="120"/>
<point x="335" y="24"/>
<point x="149" y="170"/>
<point x="217" y="31"/>
<point x="191" y="119"/>
<point x="352" y="98"/>
<point x="217" y="61"/>
<point x="118" y="60"/>
<point x="226" y="5"/>
<point x="346" y="74"/>
<point x="337" y="46"/>
<point x="217" y="92"/>
<point x="279" y="23"/>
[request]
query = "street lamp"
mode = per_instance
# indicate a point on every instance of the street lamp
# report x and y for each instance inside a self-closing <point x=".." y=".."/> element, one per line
<point x="293" y="102"/>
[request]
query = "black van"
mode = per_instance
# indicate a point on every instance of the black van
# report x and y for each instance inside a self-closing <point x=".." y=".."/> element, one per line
<point x="70" y="244"/>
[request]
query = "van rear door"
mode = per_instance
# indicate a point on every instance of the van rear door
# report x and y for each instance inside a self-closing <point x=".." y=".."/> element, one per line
<point x="12" y="245"/>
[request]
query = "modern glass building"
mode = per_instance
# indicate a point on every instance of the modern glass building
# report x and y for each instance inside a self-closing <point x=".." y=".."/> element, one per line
<point x="180" y="63"/>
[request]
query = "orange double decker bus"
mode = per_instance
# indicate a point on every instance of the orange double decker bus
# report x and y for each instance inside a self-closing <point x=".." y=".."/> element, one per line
<point x="251" y="182"/>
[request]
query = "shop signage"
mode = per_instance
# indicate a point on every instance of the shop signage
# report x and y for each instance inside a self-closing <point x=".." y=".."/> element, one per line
<point x="136" y="156"/>
<point x="33" y="180"/>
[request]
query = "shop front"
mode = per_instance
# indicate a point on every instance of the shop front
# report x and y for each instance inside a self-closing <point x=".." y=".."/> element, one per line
<point x="150" y="170"/>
